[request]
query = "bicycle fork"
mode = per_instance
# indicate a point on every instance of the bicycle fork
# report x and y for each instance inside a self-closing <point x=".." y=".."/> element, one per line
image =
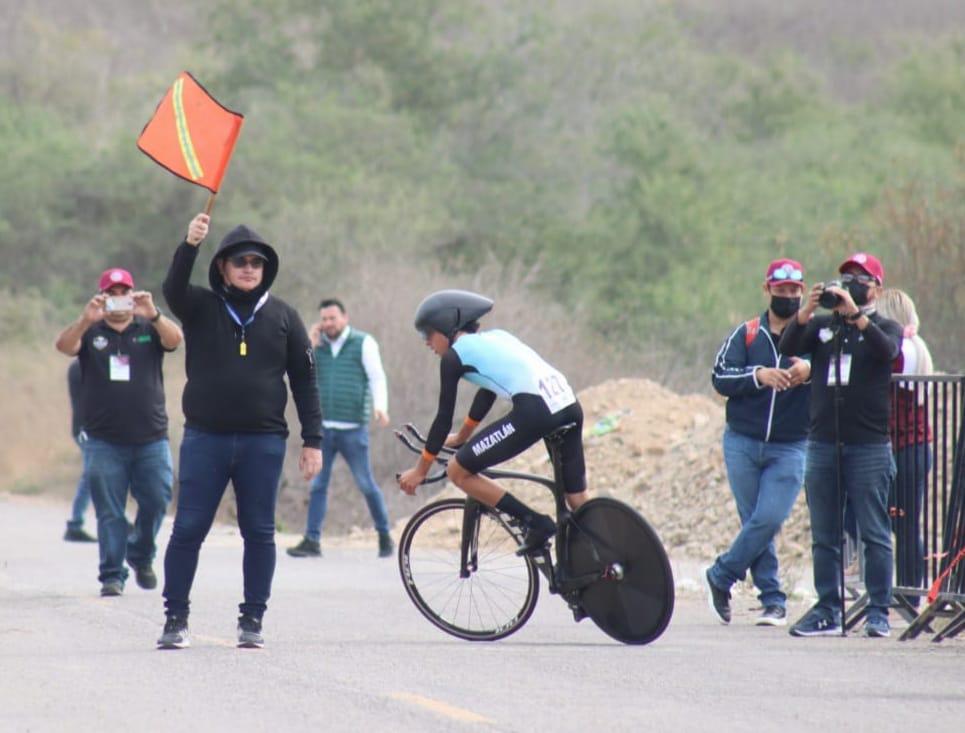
<point x="469" y="546"/>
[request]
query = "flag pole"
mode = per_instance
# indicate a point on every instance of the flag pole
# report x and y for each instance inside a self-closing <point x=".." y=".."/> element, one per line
<point x="210" y="204"/>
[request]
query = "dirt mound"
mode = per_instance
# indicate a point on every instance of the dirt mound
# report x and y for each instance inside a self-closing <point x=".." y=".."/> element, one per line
<point x="661" y="453"/>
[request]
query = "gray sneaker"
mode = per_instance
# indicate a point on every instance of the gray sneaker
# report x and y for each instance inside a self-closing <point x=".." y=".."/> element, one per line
<point x="386" y="545"/>
<point x="717" y="599"/>
<point x="78" y="534"/>
<point x="772" y="616"/>
<point x="816" y="622"/>
<point x="144" y="575"/>
<point x="175" y="634"/>
<point x="112" y="588"/>
<point x="877" y="627"/>
<point x="305" y="548"/>
<point x="249" y="632"/>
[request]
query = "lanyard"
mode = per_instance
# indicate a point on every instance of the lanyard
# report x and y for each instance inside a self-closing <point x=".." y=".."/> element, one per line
<point x="243" y="347"/>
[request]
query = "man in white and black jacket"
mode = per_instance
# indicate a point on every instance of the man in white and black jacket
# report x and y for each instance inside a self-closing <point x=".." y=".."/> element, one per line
<point x="242" y="342"/>
<point x="869" y="344"/>
<point x="764" y="443"/>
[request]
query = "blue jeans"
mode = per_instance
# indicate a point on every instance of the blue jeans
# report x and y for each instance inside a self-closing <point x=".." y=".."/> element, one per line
<point x="765" y="479"/>
<point x="354" y="446"/>
<point x="866" y="472"/>
<point x="252" y="462"/>
<point x="81" y="494"/>
<point x="110" y="468"/>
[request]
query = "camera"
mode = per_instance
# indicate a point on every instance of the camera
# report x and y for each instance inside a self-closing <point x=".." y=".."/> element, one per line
<point x="119" y="303"/>
<point x="827" y="299"/>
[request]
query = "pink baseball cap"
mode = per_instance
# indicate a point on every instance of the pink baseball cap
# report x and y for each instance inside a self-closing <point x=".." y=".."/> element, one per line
<point x="115" y="276"/>
<point x="869" y="263"/>
<point x="784" y="271"/>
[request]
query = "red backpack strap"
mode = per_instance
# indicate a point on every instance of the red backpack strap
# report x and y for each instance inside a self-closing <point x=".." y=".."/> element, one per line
<point x="752" y="326"/>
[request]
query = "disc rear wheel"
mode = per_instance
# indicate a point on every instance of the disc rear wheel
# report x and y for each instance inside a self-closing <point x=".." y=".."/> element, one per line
<point x="635" y="602"/>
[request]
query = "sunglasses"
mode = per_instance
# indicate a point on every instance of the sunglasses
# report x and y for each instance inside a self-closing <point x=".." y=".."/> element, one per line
<point x="241" y="261"/>
<point x="861" y="278"/>
<point x="787" y="273"/>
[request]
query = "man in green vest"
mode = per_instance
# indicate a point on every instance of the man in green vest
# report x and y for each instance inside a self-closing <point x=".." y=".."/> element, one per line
<point x="352" y="387"/>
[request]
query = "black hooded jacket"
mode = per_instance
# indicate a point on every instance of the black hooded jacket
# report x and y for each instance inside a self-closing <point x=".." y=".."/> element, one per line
<point x="231" y="392"/>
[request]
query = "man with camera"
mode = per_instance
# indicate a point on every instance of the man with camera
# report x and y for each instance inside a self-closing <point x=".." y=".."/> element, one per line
<point x="120" y="340"/>
<point x="851" y="354"/>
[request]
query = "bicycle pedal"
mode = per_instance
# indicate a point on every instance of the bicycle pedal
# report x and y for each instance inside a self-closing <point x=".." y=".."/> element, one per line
<point x="535" y="551"/>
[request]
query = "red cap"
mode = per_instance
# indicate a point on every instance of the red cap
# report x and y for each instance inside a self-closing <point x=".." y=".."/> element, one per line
<point x="784" y="271"/>
<point x="115" y="276"/>
<point x="869" y="263"/>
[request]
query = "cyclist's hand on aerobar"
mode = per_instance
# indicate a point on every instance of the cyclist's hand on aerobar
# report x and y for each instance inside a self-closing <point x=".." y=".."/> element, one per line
<point x="409" y="480"/>
<point x="453" y="441"/>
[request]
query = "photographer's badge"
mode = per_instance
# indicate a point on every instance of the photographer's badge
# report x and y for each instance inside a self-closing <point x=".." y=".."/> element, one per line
<point x="845" y="370"/>
<point x="120" y="368"/>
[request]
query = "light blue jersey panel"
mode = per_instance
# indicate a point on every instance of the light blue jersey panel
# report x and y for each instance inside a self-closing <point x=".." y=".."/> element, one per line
<point x="507" y="366"/>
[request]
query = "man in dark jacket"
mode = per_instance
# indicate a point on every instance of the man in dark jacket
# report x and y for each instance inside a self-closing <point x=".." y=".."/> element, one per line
<point x="867" y="344"/>
<point x="763" y="443"/>
<point x="241" y="343"/>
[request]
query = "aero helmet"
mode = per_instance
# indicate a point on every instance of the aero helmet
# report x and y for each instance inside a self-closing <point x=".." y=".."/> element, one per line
<point x="447" y="311"/>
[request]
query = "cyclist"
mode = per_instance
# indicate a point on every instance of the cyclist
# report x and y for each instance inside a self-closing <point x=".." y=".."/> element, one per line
<point x="501" y="365"/>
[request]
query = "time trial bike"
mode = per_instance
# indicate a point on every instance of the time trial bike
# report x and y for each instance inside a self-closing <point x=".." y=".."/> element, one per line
<point x="459" y="563"/>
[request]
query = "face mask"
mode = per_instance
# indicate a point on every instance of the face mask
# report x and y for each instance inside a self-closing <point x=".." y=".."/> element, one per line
<point x="784" y="307"/>
<point x="859" y="293"/>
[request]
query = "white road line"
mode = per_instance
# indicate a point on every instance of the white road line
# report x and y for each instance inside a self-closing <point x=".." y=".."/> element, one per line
<point x="440" y="708"/>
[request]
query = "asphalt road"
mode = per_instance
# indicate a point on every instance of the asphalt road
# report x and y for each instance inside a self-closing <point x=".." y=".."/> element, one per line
<point x="346" y="651"/>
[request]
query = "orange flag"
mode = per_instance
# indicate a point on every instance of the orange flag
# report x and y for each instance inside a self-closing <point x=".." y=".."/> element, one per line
<point x="191" y="134"/>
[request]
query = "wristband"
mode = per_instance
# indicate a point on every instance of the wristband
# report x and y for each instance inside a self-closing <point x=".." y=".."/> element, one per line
<point x="470" y="423"/>
<point x="854" y="318"/>
<point x="427" y="456"/>
<point x="157" y="317"/>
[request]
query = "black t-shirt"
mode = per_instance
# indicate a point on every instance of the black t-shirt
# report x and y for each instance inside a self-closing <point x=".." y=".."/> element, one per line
<point x="129" y="411"/>
<point x="865" y="397"/>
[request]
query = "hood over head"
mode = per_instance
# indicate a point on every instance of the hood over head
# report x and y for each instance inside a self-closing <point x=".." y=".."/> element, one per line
<point x="243" y="240"/>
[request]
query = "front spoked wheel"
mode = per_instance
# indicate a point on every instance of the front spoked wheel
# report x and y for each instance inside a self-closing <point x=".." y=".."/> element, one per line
<point x="497" y="593"/>
<point x="633" y="599"/>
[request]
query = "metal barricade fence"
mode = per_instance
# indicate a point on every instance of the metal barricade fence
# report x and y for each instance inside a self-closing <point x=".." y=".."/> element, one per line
<point x="928" y="498"/>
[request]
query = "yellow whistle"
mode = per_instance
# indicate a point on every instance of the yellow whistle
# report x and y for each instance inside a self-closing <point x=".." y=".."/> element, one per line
<point x="244" y="349"/>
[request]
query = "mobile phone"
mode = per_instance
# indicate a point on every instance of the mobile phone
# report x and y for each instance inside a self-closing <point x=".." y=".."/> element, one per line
<point x="119" y="303"/>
